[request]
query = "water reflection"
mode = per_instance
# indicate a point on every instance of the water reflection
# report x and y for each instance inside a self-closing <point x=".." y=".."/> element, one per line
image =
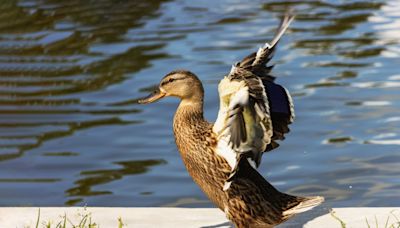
<point x="44" y="136"/>
<point x="84" y="186"/>
<point x="54" y="57"/>
<point x="50" y="61"/>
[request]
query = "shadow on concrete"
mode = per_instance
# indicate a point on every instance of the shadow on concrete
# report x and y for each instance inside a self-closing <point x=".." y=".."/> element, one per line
<point x="225" y="224"/>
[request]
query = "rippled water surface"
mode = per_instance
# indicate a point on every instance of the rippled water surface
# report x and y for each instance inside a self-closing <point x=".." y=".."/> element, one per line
<point x="71" y="71"/>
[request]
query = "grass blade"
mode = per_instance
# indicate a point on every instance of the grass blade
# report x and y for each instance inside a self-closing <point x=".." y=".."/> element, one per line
<point x="38" y="219"/>
<point x="366" y="220"/>
<point x="342" y="223"/>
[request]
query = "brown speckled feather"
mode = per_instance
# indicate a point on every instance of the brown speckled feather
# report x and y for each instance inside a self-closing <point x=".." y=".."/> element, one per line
<point x="196" y="143"/>
<point x="250" y="201"/>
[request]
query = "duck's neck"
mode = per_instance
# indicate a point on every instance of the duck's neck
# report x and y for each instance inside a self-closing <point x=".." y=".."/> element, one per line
<point x="188" y="125"/>
<point x="190" y="128"/>
<point x="188" y="115"/>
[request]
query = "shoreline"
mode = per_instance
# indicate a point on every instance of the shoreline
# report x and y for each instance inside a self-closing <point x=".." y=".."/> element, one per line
<point x="161" y="217"/>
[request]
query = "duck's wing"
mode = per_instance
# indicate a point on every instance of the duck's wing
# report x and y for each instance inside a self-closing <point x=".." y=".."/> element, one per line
<point x="280" y="102"/>
<point x="254" y="110"/>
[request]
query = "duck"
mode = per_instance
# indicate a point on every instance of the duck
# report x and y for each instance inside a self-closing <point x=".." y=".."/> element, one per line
<point x="223" y="157"/>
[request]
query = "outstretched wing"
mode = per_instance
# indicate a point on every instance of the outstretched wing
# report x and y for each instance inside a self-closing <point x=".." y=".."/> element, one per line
<point x="254" y="110"/>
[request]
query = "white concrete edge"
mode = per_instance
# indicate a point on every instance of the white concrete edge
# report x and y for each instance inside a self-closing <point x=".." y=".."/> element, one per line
<point x="107" y="217"/>
<point x="361" y="217"/>
<point x="160" y="217"/>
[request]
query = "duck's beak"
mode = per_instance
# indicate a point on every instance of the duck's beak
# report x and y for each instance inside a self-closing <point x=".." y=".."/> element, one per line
<point x="155" y="96"/>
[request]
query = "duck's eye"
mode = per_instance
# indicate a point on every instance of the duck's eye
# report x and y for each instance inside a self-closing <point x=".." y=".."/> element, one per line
<point x="167" y="81"/>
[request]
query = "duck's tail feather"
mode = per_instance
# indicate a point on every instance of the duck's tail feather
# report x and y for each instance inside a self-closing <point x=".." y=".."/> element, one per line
<point x="303" y="204"/>
<point x="290" y="205"/>
<point x="277" y="206"/>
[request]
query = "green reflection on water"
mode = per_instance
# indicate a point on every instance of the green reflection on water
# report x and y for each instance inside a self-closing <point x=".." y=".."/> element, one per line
<point x="63" y="154"/>
<point x="29" y="180"/>
<point x="58" y="134"/>
<point x="96" y="177"/>
<point x="47" y="65"/>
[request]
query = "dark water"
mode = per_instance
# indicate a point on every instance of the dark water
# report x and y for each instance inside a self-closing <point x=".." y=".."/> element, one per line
<point x="71" y="132"/>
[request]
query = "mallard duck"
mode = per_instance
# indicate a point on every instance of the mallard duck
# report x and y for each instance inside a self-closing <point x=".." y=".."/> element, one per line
<point x="222" y="158"/>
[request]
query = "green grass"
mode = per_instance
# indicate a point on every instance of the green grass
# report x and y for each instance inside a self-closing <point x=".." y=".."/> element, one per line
<point x="367" y="223"/>
<point x="342" y="223"/>
<point x="64" y="222"/>
<point x="393" y="225"/>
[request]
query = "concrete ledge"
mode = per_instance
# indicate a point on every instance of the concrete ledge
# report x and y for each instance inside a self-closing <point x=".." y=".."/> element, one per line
<point x="358" y="217"/>
<point x="161" y="217"/>
<point x="107" y="217"/>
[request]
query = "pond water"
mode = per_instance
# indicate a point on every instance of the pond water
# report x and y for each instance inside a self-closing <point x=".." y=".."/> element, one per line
<point x="71" y="71"/>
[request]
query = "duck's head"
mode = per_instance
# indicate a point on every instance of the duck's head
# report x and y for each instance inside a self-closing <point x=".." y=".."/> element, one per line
<point x="179" y="83"/>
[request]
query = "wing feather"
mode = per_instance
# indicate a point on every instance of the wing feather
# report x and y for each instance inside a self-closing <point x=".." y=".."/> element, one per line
<point x="254" y="110"/>
<point x="238" y="128"/>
